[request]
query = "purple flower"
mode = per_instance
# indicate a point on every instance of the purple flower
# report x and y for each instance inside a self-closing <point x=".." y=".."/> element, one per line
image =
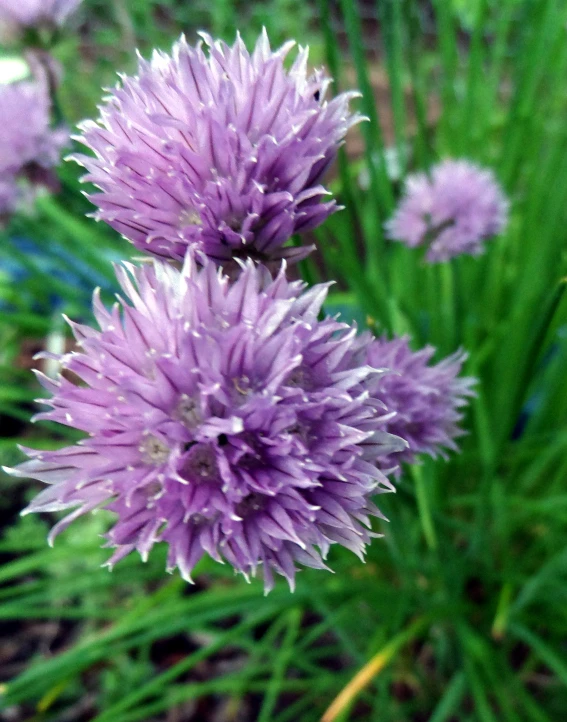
<point x="451" y="211"/>
<point x="29" y="147"/>
<point x="222" y="418"/>
<point x="35" y="13"/>
<point x="9" y="194"/>
<point x="223" y="151"/>
<point x="427" y="398"/>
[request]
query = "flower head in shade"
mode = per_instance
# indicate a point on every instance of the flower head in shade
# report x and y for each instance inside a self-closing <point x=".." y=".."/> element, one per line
<point x="451" y="211"/>
<point x="18" y="14"/>
<point x="222" y="418"/>
<point x="427" y="398"/>
<point x="8" y="196"/>
<point x="29" y="147"/>
<point x="222" y="150"/>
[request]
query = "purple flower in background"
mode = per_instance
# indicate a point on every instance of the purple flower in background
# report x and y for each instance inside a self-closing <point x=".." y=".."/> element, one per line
<point x="224" y="151"/>
<point x="29" y="147"/>
<point x="222" y="418"/>
<point x="451" y="211"/>
<point x="8" y="195"/>
<point x="35" y="13"/>
<point x="427" y="398"/>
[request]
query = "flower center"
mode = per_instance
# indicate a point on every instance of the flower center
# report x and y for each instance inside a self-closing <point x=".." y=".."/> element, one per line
<point x="242" y="385"/>
<point x="234" y="222"/>
<point x="198" y="520"/>
<point x="302" y="431"/>
<point x="200" y="464"/>
<point x="301" y="378"/>
<point x="154" y="450"/>
<point x="190" y="217"/>
<point x="250" y="504"/>
<point x="188" y="411"/>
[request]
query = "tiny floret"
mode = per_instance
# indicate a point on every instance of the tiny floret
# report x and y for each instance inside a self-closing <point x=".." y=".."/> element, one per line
<point x="427" y="399"/>
<point x="450" y="211"/>
<point x="218" y="148"/>
<point x="251" y="433"/>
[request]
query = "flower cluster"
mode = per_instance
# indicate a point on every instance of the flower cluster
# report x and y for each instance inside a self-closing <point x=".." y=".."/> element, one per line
<point x="222" y="418"/>
<point x="21" y="14"/>
<point x="427" y="399"/>
<point x="222" y="151"/>
<point x="221" y="414"/>
<point x="29" y="147"/>
<point x="450" y="211"/>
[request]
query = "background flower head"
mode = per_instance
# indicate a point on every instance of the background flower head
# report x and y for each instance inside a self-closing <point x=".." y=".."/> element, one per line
<point x="224" y="150"/>
<point x="29" y="146"/>
<point x="222" y="418"/>
<point x="451" y="211"/>
<point x="35" y="13"/>
<point x="427" y="398"/>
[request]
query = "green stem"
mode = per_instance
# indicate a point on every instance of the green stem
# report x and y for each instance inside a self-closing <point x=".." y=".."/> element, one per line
<point x="544" y="327"/>
<point x="422" y="496"/>
<point x="372" y="668"/>
<point x="448" y="305"/>
<point x="503" y="612"/>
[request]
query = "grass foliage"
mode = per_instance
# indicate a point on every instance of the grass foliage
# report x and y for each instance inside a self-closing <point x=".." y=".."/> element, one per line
<point x="459" y="612"/>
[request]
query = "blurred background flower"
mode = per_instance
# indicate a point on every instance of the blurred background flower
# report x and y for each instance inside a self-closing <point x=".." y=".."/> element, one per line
<point x="450" y="210"/>
<point x="19" y="15"/>
<point x="29" y="147"/>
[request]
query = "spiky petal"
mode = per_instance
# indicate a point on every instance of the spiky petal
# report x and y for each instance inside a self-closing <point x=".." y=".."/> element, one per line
<point x="451" y="211"/>
<point x="428" y="398"/>
<point x="224" y="150"/>
<point x="222" y="418"/>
